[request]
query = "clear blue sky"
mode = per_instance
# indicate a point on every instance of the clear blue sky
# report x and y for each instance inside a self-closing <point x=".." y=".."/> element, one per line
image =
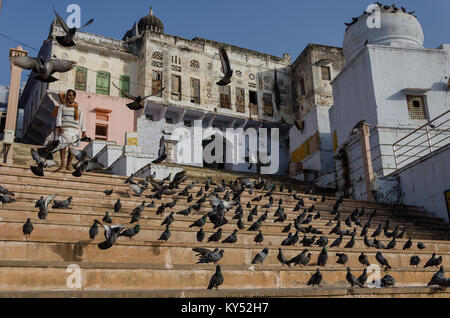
<point x="267" y="26"/>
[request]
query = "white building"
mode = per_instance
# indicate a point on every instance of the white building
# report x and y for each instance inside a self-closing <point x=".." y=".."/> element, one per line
<point x="393" y="83"/>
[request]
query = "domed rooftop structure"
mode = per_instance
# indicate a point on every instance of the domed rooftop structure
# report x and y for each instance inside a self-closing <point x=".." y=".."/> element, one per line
<point x="396" y="28"/>
<point x="150" y="22"/>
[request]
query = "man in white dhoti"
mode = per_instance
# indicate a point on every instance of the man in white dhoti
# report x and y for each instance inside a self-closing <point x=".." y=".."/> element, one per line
<point x="69" y="120"/>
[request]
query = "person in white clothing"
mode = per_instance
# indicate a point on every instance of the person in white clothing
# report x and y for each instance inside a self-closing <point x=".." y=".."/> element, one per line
<point x="69" y="120"/>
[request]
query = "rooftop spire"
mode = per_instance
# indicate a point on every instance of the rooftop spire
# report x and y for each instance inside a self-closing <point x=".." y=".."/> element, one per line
<point x="151" y="10"/>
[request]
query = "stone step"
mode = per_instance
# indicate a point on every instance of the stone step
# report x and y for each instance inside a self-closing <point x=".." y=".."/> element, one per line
<point x="90" y="191"/>
<point x="180" y="252"/>
<point x="33" y="276"/>
<point x="78" y="216"/>
<point x="105" y="180"/>
<point x="328" y="292"/>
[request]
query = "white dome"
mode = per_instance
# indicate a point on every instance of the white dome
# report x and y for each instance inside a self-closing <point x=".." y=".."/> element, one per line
<point x="397" y="28"/>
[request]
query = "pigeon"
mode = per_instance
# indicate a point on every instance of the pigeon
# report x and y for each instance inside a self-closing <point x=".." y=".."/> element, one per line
<point x="387" y="281"/>
<point x="259" y="238"/>
<point x="368" y="242"/>
<point x="169" y="219"/>
<point x="67" y="39"/>
<point x="364" y="231"/>
<point x="437" y="277"/>
<point x="130" y="232"/>
<point x="287" y="228"/>
<point x="322" y="258"/>
<point x="27" y="228"/>
<point x="287" y="241"/>
<point x="308" y="242"/>
<point x="232" y="238"/>
<point x="216" y="236"/>
<point x="200" y="235"/>
<point x="300" y="259"/>
<point x="260" y="257"/>
<point x="137" y="101"/>
<point x="6" y="199"/>
<point x="380" y="258"/>
<point x="43" y="68"/>
<point x="377" y="232"/>
<point x="330" y="223"/>
<point x="240" y="224"/>
<point x="62" y="204"/>
<point x="363" y="278"/>
<point x="378" y="244"/>
<point x="255" y="226"/>
<point x="342" y="258"/>
<point x="317" y="216"/>
<point x="111" y="234"/>
<point x="281" y="258"/>
<point x="4" y="191"/>
<point x="348" y="222"/>
<point x="93" y="230"/>
<point x="161" y="152"/>
<point x="350" y="243"/>
<point x="352" y="279"/>
<point x="363" y="259"/>
<point x="107" y="218"/>
<point x="421" y="246"/>
<point x="185" y="212"/>
<point x="43" y="207"/>
<point x="171" y="204"/>
<point x="165" y="235"/>
<point x="137" y="189"/>
<point x="415" y="260"/>
<point x="207" y="256"/>
<point x="322" y="241"/>
<point x="117" y="205"/>
<point x="108" y="192"/>
<point x="160" y="209"/>
<point x="216" y="280"/>
<point x="315" y="279"/>
<point x="151" y="205"/>
<point x="434" y="261"/>
<point x="391" y="244"/>
<point x="337" y="242"/>
<point x="41" y="163"/>
<point x="228" y="72"/>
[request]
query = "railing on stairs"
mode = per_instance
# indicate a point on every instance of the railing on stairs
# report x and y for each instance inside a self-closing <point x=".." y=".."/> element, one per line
<point x="424" y="140"/>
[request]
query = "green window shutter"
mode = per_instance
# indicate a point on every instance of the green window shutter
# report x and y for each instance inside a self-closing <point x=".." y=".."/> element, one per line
<point x="80" y="78"/>
<point x="124" y="84"/>
<point x="103" y="82"/>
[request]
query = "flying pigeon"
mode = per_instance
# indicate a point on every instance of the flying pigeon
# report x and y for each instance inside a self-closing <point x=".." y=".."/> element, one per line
<point x="5" y="191"/>
<point x="111" y="234"/>
<point x="137" y="101"/>
<point x="41" y="163"/>
<point x="161" y="152"/>
<point x="43" y="206"/>
<point x="228" y="72"/>
<point x="207" y="256"/>
<point x="67" y="39"/>
<point x="43" y="68"/>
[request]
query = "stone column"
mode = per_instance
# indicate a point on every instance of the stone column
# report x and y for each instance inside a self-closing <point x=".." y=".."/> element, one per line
<point x="364" y="134"/>
<point x="13" y="100"/>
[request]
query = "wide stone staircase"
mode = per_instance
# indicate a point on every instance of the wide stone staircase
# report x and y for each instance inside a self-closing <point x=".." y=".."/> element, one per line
<point x="59" y="259"/>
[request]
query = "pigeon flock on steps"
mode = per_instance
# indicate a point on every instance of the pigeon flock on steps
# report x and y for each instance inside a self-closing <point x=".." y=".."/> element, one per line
<point x="224" y="200"/>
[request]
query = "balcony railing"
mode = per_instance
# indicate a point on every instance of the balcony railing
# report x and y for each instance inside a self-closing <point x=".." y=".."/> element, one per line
<point x="423" y="140"/>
